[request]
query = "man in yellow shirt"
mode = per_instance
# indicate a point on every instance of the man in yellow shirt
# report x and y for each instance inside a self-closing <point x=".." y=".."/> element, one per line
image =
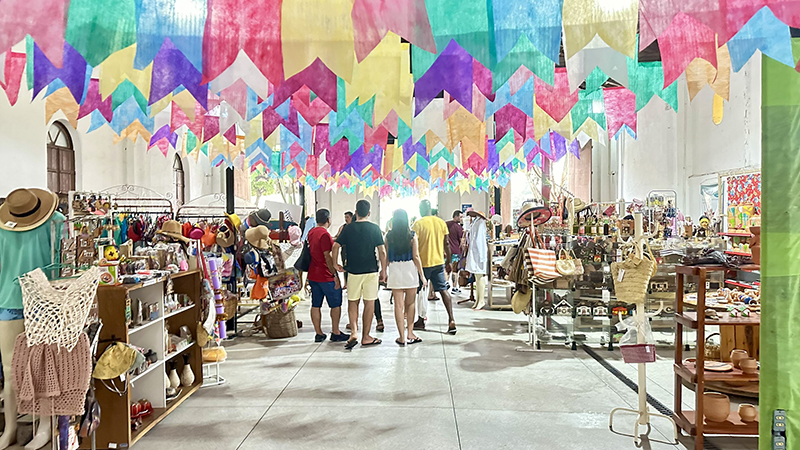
<point x="434" y="252"/>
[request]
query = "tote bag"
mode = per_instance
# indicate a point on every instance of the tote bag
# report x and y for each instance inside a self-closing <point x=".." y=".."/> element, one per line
<point x="542" y="262"/>
<point x="303" y="262"/>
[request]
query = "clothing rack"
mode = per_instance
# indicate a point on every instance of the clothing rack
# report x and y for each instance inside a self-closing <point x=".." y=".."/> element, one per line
<point x="533" y="344"/>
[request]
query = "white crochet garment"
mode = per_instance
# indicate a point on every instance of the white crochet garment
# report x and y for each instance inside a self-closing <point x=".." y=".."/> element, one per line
<point x="55" y="313"/>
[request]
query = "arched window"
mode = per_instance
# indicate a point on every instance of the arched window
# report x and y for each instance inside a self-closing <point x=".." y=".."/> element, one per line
<point x="178" y="180"/>
<point x="60" y="160"/>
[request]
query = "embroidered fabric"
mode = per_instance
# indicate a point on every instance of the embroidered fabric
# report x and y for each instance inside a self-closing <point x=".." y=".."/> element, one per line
<point x="55" y="313"/>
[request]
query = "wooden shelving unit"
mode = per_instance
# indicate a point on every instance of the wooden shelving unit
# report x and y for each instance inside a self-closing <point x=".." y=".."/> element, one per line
<point x="115" y="427"/>
<point x="687" y="374"/>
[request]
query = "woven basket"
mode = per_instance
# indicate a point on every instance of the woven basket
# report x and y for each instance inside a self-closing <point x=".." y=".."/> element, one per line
<point x="633" y="286"/>
<point x="281" y="324"/>
<point x="231" y="303"/>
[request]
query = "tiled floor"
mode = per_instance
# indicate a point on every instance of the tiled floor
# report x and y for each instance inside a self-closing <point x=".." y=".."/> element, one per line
<point x="469" y="391"/>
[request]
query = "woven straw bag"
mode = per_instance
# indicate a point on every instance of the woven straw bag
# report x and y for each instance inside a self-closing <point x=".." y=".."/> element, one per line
<point x="568" y="265"/>
<point x="631" y="276"/>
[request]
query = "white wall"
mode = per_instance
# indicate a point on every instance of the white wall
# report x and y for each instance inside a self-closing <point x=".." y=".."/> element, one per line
<point x="340" y="202"/>
<point x="681" y="151"/>
<point x="99" y="162"/>
<point x="451" y="201"/>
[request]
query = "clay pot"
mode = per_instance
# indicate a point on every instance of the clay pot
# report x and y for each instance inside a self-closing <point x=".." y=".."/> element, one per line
<point x="737" y="355"/>
<point x="748" y="412"/>
<point x="755" y="245"/>
<point x="748" y="365"/>
<point x="716" y="407"/>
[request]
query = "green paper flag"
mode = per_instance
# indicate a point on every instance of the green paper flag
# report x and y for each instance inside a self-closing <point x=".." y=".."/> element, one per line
<point x="590" y="106"/>
<point x="646" y="80"/>
<point x="98" y="28"/>
<point x="780" y="247"/>
<point x="468" y="22"/>
<point x="124" y="91"/>
<point x="523" y="54"/>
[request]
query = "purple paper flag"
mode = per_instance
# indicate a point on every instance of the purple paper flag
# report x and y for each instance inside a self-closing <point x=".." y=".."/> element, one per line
<point x="337" y="155"/>
<point x="559" y="144"/>
<point x="510" y="117"/>
<point x="452" y="72"/>
<point x="171" y="69"/>
<point x="72" y="73"/>
<point x="575" y="148"/>
<point x="317" y="77"/>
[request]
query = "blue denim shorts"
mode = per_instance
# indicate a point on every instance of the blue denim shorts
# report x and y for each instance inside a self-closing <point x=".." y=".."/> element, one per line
<point x="326" y="290"/>
<point x="435" y="275"/>
<point x="10" y="314"/>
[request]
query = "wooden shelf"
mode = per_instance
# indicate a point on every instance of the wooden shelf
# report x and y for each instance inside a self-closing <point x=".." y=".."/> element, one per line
<point x="146" y="325"/>
<point x="152" y="367"/>
<point x="735" y="253"/>
<point x="160" y="413"/>
<point x="689" y="319"/>
<point x="695" y="270"/>
<point x="687" y="420"/>
<point x="178" y="311"/>
<point x="737" y="234"/>
<point x="688" y="371"/>
<point x="171" y="355"/>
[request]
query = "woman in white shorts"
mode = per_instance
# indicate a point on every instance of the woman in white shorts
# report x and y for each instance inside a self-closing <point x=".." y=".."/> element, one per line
<point x="403" y="275"/>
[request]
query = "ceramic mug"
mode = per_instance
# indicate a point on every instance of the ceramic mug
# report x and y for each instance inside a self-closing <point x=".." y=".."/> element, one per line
<point x="748" y="412"/>
<point x="749" y="365"/>
<point x="737" y="355"/>
<point x="717" y="407"/>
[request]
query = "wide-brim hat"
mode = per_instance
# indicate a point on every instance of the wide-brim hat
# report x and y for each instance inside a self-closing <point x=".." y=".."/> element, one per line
<point x="260" y="217"/>
<point x="531" y="212"/>
<point x="236" y="222"/>
<point x="225" y="237"/>
<point x="196" y="233"/>
<point x="473" y="213"/>
<point x="26" y="209"/>
<point x="173" y="229"/>
<point x="578" y="205"/>
<point x="258" y="237"/>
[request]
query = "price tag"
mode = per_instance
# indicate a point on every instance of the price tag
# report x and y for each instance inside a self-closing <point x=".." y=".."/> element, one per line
<point x="621" y="274"/>
<point x="11" y="224"/>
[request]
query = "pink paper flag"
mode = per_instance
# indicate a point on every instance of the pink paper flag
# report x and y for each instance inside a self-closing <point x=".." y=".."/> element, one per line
<point x="94" y="101"/>
<point x="684" y="40"/>
<point x="555" y="100"/>
<point x="179" y="118"/>
<point x="44" y="20"/>
<point x="14" y="67"/>
<point x="233" y="25"/>
<point x="236" y="96"/>
<point x="317" y="77"/>
<point x="620" y="105"/>
<point x="311" y="110"/>
<point x="372" y="19"/>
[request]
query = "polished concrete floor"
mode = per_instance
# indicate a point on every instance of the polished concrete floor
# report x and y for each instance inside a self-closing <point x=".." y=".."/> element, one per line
<point x="469" y="391"/>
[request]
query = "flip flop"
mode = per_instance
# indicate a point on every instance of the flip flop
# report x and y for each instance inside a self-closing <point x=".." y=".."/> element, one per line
<point x="452" y="329"/>
<point x="379" y="328"/>
<point x="414" y="341"/>
<point x="375" y="341"/>
<point x="401" y="344"/>
<point x="350" y="344"/>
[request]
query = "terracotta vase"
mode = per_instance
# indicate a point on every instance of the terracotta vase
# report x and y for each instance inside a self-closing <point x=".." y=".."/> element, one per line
<point x="749" y="365"/>
<point x="737" y="355"/>
<point x="716" y="407"/>
<point x="748" y="412"/>
<point x="755" y="245"/>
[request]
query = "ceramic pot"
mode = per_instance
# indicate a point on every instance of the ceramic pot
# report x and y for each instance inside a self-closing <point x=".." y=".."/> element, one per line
<point x="737" y="355"/>
<point x="187" y="376"/>
<point x="748" y="412"/>
<point x="716" y="406"/>
<point x="174" y="379"/>
<point x="749" y="365"/>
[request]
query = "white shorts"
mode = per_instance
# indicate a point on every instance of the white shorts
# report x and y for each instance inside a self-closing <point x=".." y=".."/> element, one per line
<point x="362" y="285"/>
<point x="402" y="275"/>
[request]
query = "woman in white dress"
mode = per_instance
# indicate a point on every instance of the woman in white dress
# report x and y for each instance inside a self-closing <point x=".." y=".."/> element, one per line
<point x="477" y="254"/>
<point x="404" y="275"/>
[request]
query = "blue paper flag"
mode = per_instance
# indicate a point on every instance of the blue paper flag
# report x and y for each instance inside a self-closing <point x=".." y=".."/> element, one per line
<point x="539" y="21"/>
<point x="762" y="32"/>
<point x="182" y="21"/>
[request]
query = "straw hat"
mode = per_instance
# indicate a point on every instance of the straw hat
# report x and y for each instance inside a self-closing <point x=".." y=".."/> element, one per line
<point x="258" y="237"/>
<point x="578" y="205"/>
<point x="539" y="214"/>
<point x="173" y="229"/>
<point x="473" y="213"/>
<point x="26" y="209"/>
<point x="225" y="237"/>
<point x="236" y="222"/>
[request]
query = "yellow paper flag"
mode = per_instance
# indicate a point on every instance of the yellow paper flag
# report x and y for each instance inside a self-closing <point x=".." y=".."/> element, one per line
<point x="311" y="30"/>
<point x="119" y="67"/>
<point x="615" y="21"/>
<point x="700" y="73"/>
<point x="718" y="109"/>
<point x="132" y="132"/>
<point x="62" y="100"/>
<point x="543" y="122"/>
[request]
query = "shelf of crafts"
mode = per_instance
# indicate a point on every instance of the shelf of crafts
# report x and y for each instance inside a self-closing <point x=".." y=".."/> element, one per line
<point x="735" y="253"/>
<point x="737" y="234"/>
<point x="142" y="327"/>
<point x="160" y="413"/>
<point x="740" y="284"/>
<point x="687" y="420"/>
<point x="689" y="319"/>
<point x="178" y="311"/>
<point x="152" y="367"/>
<point x="688" y="371"/>
<point x="171" y="355"/>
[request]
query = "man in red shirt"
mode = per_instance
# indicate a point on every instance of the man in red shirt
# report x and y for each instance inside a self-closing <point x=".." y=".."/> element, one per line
<point x="324" y="279"/>
<point x="454" y="237"/>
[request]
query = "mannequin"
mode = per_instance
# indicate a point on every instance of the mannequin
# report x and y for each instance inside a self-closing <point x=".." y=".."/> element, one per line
<point x="478" y="255"/>
<point x="25" y="244"/>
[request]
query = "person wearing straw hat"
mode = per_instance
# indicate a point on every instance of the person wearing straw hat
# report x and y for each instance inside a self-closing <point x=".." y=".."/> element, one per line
<point x="434" y="252"/>
<point x="26" y="243"/>
<point x="478" y="254"/>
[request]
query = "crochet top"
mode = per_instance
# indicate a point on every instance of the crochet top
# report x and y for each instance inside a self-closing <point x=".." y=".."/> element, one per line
<point x="51" y="380"/>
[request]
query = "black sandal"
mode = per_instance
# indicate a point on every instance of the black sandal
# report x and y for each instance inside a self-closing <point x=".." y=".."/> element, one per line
<point x="350" y="344"/>
<point x="379" y="328"/>
<point x="375" y="341"/>
<point x="401" y="344"/>
<point x="414" y="341"/>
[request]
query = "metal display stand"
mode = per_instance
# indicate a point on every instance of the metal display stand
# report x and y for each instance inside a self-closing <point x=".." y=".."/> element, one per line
<point x="640" y="317"/>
